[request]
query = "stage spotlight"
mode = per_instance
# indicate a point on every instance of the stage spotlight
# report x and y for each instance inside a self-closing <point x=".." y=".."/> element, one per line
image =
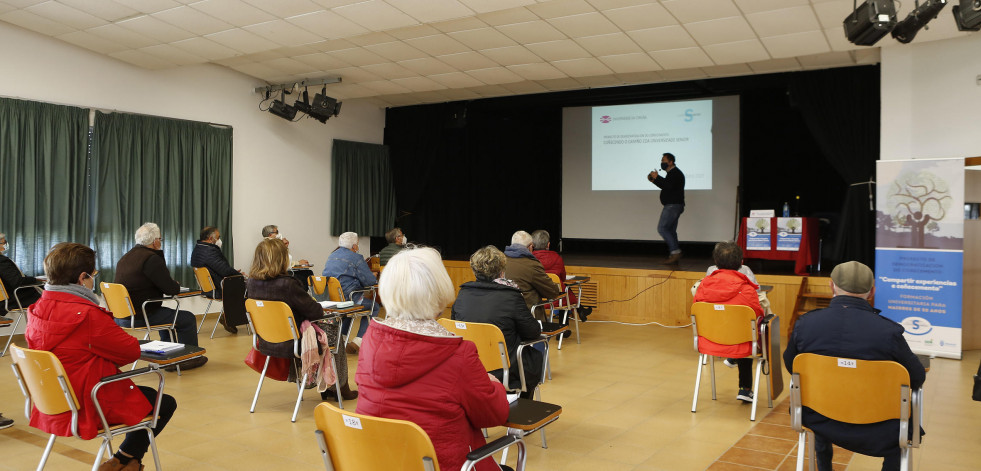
<point x="906" y="30"/>
<point x="967" y="15"/>
<point x="281" y="109"/>
<point x="870" y="21"/>
<point x="305" y="107"/>
<point x="326" y="105"/>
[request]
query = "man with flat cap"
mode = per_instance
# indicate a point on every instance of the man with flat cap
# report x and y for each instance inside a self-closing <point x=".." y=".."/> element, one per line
<point x="851" y="328"/>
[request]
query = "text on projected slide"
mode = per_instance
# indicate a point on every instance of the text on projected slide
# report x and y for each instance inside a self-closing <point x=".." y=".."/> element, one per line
<point x="628" y="141"/>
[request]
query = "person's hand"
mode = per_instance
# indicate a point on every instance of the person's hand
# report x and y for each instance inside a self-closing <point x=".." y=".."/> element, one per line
<point x="652" y="176"/>
<point x="493" y="378"/>
<point x="303" y="261"/>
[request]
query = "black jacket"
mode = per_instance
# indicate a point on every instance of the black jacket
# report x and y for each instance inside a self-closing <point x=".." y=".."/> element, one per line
<point x="851" y="328"/>
<point x="672" y="186"/>
<point x="493" y="303"/>
<point x="210" y="256"/>
<point x="12" y="278"/>
<point x="144" y="273"/>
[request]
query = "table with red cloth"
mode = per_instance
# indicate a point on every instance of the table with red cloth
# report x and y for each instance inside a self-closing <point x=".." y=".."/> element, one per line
<point x="806" y="255"/>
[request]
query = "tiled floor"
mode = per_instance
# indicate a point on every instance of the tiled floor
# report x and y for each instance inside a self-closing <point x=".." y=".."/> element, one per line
<point x="626" y="395"/>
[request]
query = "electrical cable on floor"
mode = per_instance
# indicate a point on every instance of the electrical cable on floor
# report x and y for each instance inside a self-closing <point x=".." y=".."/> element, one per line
<point x="640" y="292"/>
<point x="634" y="297"/>
<point x="646" y="323"/>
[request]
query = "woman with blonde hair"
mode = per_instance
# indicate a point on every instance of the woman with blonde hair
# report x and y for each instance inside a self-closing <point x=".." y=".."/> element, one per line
<point x="269" y="280"/>
<point x="411" y="368"/>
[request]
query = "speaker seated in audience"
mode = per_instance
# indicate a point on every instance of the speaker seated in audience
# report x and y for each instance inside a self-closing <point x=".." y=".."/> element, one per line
<point x="552" y="263"/>
<point x="727" y="285"/>
<point x="411" y="368"/>
<point x="527" y="272"/>
<point x="12" y="278"/>
<point x="493" y="299"/>
<point x="69" y="323"/>
<point x="269" y="280"/>
<point x="207" y="253"/>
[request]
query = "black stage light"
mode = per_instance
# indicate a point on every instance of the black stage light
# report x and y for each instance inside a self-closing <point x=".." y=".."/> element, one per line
<point x="870" y="21"/>
<point x="967" y="15"/>
<point x="281" y="109"/>
<point x="906" y="30"/>
<point x="305" y="107"/>
<point x="326" y="105"/>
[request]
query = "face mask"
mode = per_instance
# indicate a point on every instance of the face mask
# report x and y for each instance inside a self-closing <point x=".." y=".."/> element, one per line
<point x="664" y="165"/>
<point x="218" y="243"/>
<point x="405" y="239"/>
<point x="280" y="236"/>
<point x="4" y="247"/>
<point x="93" y="282"/>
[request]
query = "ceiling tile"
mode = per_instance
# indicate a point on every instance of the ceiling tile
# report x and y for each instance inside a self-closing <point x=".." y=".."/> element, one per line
<point x="120" y="35"/>
<point x="109" y="11"/>
<point x="525" y="87"/>
<point x="459" y="94"/>
<point x="485" y="6"/>
<point x="582" y="67"/>
<point x="173" y="54"/>
<point x="557" y="8"/>
<point x="369" y="39"/>
<point x="560" y="84"/>
<point x="558" y="50"/>
<point x="328" y="24"/>
<point x="679" y="75"/>
<point x="723" y="30"/>
<point x="293" y="51"/>
<point x="827" y="60"/>
<point x="233" y="11"/>
<point x="729" y="70"/>
<point x="156" y="29"/>
<point x="495" y="75"/>
<point x="600" y="81"/>
<point x="651" y="15"/>
<point x="376" y="15"/>
<point x="739" y="51"/>
<point x="384" y="87"/>
<point x="5" y="8"/>
<point x="242" y="40"/>
<point x="66" y="15"/>
<point x="490" y="91"/>
<point x="92" y="42"/>
<point x="755" y="6"/>
<point x="775" y="65"/>
<point x="640" y="77"/>
<point x="142" y="59"/>
<point x="389" y="71"/>
<point x="419" y="84"/>
<point x="690" y="11"/>
<point x="511" y="55"/>
<point x="149" y="6"/>
<point x="831" y="14"/>
<point x="541" y="71"/>
<point x="609" y="44"/>
<point x="507" y="17"/>
<point x="396" y="51"/>
<point x="284" y="33"/>
<point x="665" y="37"/>
<point x="461" y="24"/>
<point x="867" y="56"/>
<point x="285" y="8"/>
<point x="613" y="4"/>
<point x="836" y="38"/>
<point x="797" y="44"/>
<point x="205" y="48"/>
<point x="289" y="66"/>
<point x="682" y="58"/>
<point x="356" y="75"/>
<point x="586" y="24"/>
<point x="427" y="66"/>
<point x="531" y="32"/>
<point x="322" y="61"/>
<point x="784" y="21"/>
<point x="26" y="19"/>
<point x="192" y="20"/>
<point x="358" y="57"/>
<point x="482" y="38"/>
<point x="348" y="90"/>
<point x="456" y="80"/>
<point x="333" y="45"/>
<point x="467" y="61"/>
<point x="416" y="31"/>
<point x="437" y="45"/>
<point x="628" y="63"/>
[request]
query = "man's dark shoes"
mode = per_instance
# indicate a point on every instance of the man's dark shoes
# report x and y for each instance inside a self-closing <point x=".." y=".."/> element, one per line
<point x="673" y="259"/>
<point x="584" y="312"/>
<point x="228" y="327"/>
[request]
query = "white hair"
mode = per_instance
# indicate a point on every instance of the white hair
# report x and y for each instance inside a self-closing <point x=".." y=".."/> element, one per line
<point x="347" y="240"/>
<point x="522" y="238"/>
<point x="147" y="234"/>
<point x="415" y="285"/>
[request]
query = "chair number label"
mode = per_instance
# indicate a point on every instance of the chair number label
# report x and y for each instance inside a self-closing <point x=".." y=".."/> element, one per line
<point x="461" y="325"/>
<point x="258" y="303"/>
<point x="720" y="307"/>
<point x="847" y="363"/>
<point x="20" y="354"/>
<point x="352" y="422"/>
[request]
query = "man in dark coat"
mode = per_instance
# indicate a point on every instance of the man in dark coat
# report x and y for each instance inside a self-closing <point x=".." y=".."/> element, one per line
<point x="527" y="272"/>
<point x="851" y="328"/>
<point x="207" y="253"/>
<point x="12" y="278"/>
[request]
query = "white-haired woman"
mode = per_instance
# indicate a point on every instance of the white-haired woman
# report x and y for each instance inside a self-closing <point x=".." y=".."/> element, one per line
<point x="411" y="368"/>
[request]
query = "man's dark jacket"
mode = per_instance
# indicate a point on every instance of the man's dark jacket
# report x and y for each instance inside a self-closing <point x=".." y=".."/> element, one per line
<point x="210" y="256"/>
<point x="12" y="278"/>
<point x="672" y="186"/>
<point x="144" y="273"/>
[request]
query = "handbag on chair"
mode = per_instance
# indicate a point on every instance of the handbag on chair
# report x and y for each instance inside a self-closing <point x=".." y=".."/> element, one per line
<point x="279" y="368"/>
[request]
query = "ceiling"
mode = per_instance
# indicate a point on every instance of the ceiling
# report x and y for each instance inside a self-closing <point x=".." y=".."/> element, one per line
<point x="403" y="52"/>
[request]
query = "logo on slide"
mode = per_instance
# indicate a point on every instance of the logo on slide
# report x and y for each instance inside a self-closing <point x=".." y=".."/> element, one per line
<point x="605" y="119"/>
<point x="917" y="326"/>
<point x="690" y="115"/>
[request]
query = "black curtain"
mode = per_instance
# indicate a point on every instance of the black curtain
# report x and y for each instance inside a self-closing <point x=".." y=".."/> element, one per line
<point x="842" y="110"/>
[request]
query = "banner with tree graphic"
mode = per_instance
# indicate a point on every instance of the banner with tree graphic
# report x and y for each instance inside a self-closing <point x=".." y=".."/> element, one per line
<point x="919" y="258"/>
<point x="757" y="233"/>
<point x="789" y="233"/>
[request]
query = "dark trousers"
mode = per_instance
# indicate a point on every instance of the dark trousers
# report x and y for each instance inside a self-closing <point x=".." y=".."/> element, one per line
<point x="367" y="303"/>
<point x="823" y="452"/>
<point x="745" y="366"/>
<point x="136" y="443"/>
<point x="667" y="225"/>
<point x="186" y="326"/>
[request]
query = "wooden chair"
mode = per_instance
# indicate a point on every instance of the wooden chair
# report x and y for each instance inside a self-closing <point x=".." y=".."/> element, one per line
<point x="21" y="311"/>
<point x="44" y="382"/>
<point x="726" y="324"/>
<point x="350" y="441"/>
<point x="856" y="392"/>
<point x="207" y="285"/>
<point x="335" y="293"/>
<point x="274" y="322"/>
<point x="121" y="305"/>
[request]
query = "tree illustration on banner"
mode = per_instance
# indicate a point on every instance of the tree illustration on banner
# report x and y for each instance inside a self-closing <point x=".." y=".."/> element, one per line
<point x="917" y="200"/>
<point x="792" y="225"/>
<point x="761" y="225"/>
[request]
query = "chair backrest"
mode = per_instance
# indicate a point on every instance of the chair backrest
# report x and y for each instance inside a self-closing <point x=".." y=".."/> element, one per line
<point x="40" y="372"/>
<point x="117" y="299"/>
<point x="319" y="283"/>
<point x="358" y="442"/>
<point x="850" y="390"/>
<point x="555" y="279"/>
<point x="272" y="320"/>
<point x="334" y="291"/>
<point x="724" y="324"/>
<point x="204" y="279"/>
<point x="487" y="337"/>
<point x="3" y="293"/>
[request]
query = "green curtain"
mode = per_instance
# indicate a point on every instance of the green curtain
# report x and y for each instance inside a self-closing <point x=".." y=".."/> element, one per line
<point x="175" y="173"/>
<point x="43" y="158"/>
<point x="362" y="196"/>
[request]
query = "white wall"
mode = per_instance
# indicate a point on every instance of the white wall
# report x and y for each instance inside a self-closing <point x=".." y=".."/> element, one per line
<point x="930" y="99"/>
<point x="273" y="160"/>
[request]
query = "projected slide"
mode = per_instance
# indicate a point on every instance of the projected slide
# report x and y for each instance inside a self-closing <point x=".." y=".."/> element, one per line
<point x="628" y="140"/>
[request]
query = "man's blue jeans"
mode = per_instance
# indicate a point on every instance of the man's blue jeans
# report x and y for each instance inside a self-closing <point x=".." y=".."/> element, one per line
<point x="346" y="323"/>
<point x="667" y="226"/>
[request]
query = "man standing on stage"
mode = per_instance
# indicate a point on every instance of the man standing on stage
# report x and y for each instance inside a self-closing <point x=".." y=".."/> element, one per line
<point x="672" y="186"/>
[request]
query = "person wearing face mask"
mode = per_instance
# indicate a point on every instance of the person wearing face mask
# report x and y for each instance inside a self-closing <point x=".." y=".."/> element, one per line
<point x="396" y="242"/>
<point x="672" y="186"/>
<point x="12" y="278"/>
<point x="272" y="232"/>
<point x="144" y="273"/>
<point x="207" y="253"/>
<point x="69" y="323"/>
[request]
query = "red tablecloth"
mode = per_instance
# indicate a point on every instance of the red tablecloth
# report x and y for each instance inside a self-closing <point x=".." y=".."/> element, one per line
<point x="806" y="255"/>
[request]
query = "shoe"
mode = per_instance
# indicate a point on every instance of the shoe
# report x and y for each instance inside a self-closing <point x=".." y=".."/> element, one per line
<point x="745" y="395"/>
<point x="584" y="312"/>
<point x="673" y="258"/>
<point x="228" y="328"/>
<point x="113" y="464"/>
<point x="5" y="422"/>
<point x="189" y="364"/>
<point x="346" y="393"/>
<point x="352" y="348"/>
<point x="133" y="465"/>
<point x="729" y="362"/>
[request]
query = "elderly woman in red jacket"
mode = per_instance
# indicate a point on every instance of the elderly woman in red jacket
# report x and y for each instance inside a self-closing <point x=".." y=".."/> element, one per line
<point x="68" y="322"/>
<point x="411" y="368"/>
<point x="728" y="286"/>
